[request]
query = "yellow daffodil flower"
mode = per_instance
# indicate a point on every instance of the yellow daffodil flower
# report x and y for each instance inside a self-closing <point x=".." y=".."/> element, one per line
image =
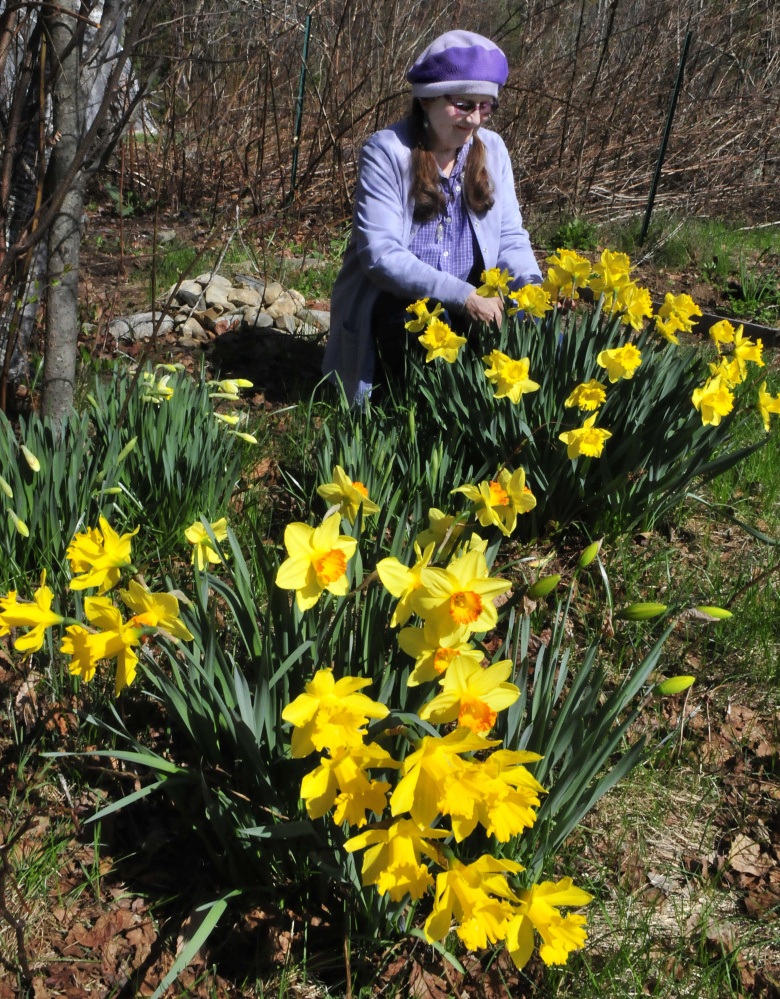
<point x="767" y="404"/>
<point x="425" y="772"/>
<point x="37" y="616"/>
<point x="203" y="551"/>
<point x="722" y="332"/>
<point x="586" y="440"/>
<point x="115" y="637"/>
<point x="677" y="313"/>
<point x="497" y="503"/>
<point x="440" y="341"/>
<point x="392" y="861"/>
<point x="539" y="911"/>
<point x="341" y="781"/>
<point x="728" y="370"/>
<point x="714" y="401"/>
<point x="432" y="654"/>
<point x="98" y="557"/>
<point x="423" y="316"/>
<point x="348" y="495"/>
<point x="156" y="391"/>
<point x="155" y="610"/>
<point x="459" y="596"/>
<point x="467" y="894"/>
<point x="472" y="695"/>
<point x="531" y="299"/>
<point x="746" y="350"/>
<point x="330" y="714"/>
<point x="634" y="304"/>
<point x="495" y="283"/>
<point x="620" y="362"/>
<point x="510" y="377"/>
<point x="440" y="525"/>
<point x="318" y="561"/>
<point x="611" y="274"/>
<point x="402" y="581"/>
<point x="587" y="395"/>
<point x="232" y="421"/>
<point x="568" y="271"/>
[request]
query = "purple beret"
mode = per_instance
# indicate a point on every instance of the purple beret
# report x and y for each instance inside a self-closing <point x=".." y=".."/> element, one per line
<point x="459" y="62"/>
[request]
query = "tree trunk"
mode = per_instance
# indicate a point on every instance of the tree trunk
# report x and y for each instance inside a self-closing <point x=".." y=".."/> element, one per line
<point x="62" y="323"/>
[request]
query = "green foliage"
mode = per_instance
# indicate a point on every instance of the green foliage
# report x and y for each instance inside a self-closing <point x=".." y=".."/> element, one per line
<point x="575" y="234"/>
<point x="658" y="447"/>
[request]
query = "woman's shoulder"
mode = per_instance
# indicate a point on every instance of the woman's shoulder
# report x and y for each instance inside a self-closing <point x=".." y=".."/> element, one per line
<point x="395" y="140"/>
<point x="493" y="142"/>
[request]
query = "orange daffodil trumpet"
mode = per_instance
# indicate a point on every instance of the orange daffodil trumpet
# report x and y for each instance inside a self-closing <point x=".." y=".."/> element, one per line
<point x="498" y="503"/>
<point x="349" y="496"/>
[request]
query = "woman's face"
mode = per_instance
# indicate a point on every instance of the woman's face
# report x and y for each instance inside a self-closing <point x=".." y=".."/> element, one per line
<point x="448" y="128"/>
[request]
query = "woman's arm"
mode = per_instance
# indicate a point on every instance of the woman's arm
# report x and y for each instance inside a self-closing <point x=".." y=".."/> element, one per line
<point x="380" y="230"/>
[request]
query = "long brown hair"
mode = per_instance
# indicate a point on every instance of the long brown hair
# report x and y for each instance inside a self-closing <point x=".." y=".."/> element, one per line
<point x="427" y="194"/>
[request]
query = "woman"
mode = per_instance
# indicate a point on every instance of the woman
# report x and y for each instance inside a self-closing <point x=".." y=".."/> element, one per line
<point x="435" y="206"/>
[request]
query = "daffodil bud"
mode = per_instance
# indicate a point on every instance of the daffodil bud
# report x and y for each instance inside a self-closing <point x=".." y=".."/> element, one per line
<point x="6" y="488"/>
<point x="31" y="460"/>
<point x="717" y="612"/>
<point x="19" y="524"/>
<point x="589" y="554"/>
<point x="542" y="587"/>
<point x="126" y="449"/>
<point x="675" y="685"/>
<point x="641" y="612"/>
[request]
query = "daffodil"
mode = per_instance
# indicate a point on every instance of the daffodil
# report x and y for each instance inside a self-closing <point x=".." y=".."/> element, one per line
<point x="203" y="551"/>
<point x="767" y="404"/>
<point x="330" y="714"/>
<point x="440" y="341"/>
<point x="392" y="860"/>
<point x="728" y="370"/>
<point x="587" y="395"/>
<point x="568" y="271"/>
<point x="229" y="388"/>
<point x="539" y="911"/>
<point x="155" y="391"/>
<point x="531" y="299"/>
<point x="620" y="362"/>
<point x="318" y="561"/>
<point x="746" y="350"/>
<point x="422" y="315"/>
<point x="248" y="438"/>
<point x="99" y="556"/>
<point x="459" y="596"/>
<point x="495" y="283"/>
<point x="611" y="273"/>
<point x="402" y="581"/>
<point x="677" y="313"/>
<point x="714" y="401"/>
<point x="231" y="420"/>
<point x="586" y="440"/>
<point x="472" y="695"/>
<point x="425" y="772"/>
<point x="722" y="332"/>
<point x="442" y="531"/>
<point x="634" y="304"/>
<point x="498" y="502"/>
<point x="341" y="781"/>
<point x="19" y="524"/>
<point x="155" y="610"/>
<point x="115" y="638"/>
<point x="4" y="487"/>
<point x="477" y="897"/>
<point x="37" y="616"/>
<point x="432" y="654"/>
<point x="347" y="495"/>
<point x="510" y="377"/>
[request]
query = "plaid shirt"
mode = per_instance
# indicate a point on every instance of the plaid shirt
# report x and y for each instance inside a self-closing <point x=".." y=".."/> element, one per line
<point x="447" y="243"/>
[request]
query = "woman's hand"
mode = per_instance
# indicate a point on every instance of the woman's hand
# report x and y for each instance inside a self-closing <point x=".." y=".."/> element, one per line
<point x="483" y="310"/>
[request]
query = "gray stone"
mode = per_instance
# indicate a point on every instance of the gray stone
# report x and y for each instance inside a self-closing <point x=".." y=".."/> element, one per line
<point x="285" y="305"/>
<point x="250" y="281"/>
<point x="296" y="296"/>
<point x="139" y="326"/>
<point x="287" y="323"/>
<point x="256" y="317"/>
<point x="188" y="341"/>
<point x="166" y="235"/>
<point x="189" y="293"/>
<point x="272" y="292"/>
<point x="320" y="316"/>
<point x="193" y="328"/>
<point x="244" y="296"/>
<point x="215" y="297"/>
<point x="216" y="279"/>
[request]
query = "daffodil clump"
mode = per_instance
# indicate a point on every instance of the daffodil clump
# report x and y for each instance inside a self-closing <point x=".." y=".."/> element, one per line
<point x="715" y="399"/>
<point x="98" y="557"/>
<point x="415" y="802"/>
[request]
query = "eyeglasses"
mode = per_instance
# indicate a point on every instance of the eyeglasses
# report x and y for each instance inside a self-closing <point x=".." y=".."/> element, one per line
<point x="465" y="108"/>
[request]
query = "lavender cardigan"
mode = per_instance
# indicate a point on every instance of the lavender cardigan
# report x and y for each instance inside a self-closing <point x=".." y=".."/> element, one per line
<point x="378" y="259"/>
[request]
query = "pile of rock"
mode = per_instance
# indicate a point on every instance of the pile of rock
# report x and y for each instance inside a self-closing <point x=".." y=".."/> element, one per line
<point x="212" y="304"/>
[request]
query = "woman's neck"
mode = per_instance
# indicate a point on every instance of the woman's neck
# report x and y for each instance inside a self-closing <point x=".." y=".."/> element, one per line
<point x="445" y="159"/>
